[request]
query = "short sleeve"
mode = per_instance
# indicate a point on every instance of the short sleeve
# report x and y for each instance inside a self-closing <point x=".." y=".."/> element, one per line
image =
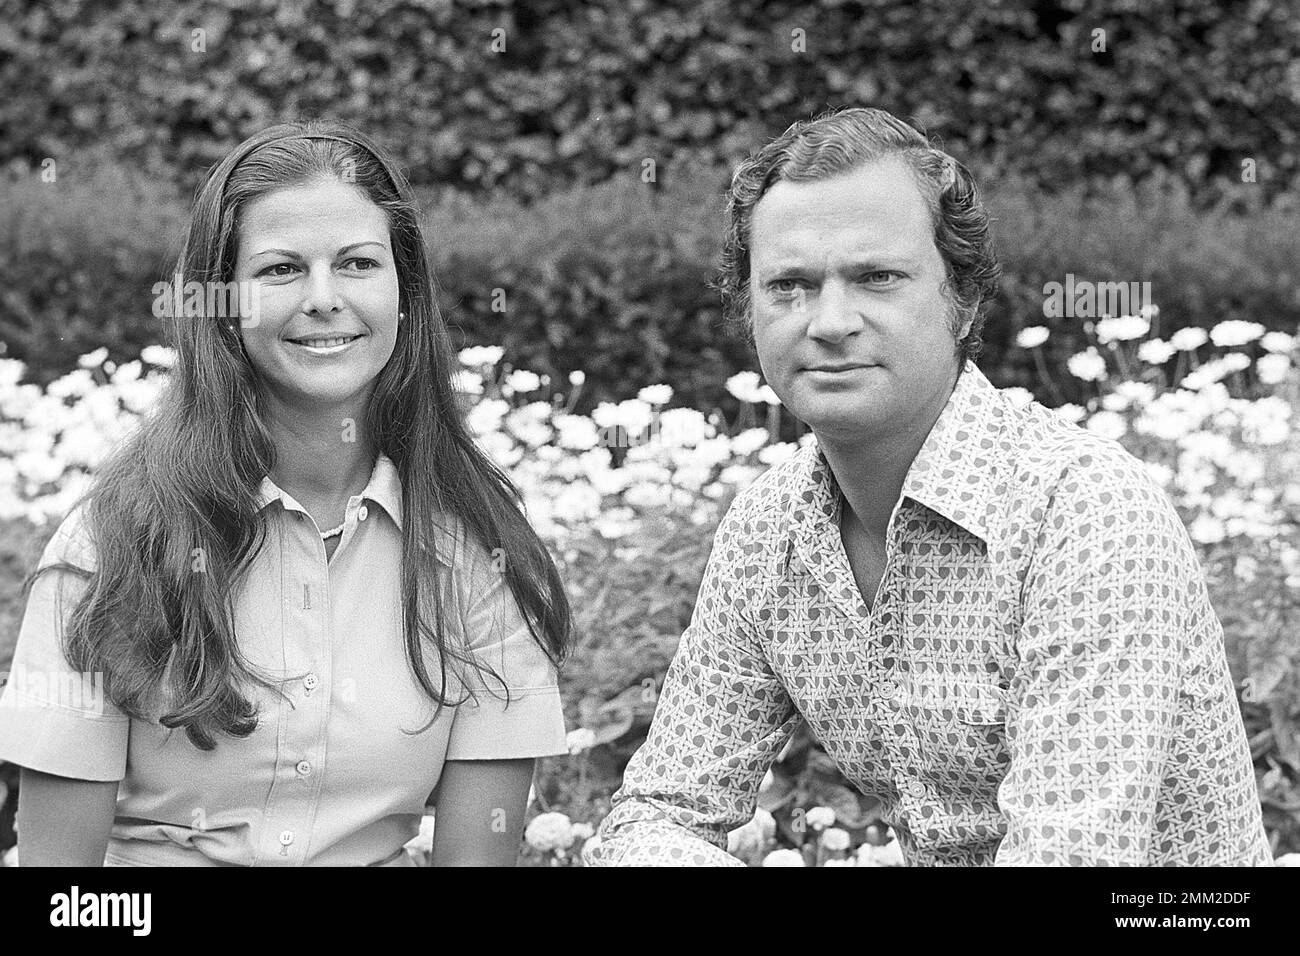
<point x="53" y="719"/>
<point x="531" y="722"/>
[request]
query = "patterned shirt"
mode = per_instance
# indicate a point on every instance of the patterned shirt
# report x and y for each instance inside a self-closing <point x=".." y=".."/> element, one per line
<point x="1041" y="681"/>
<point x="335" y="773"/>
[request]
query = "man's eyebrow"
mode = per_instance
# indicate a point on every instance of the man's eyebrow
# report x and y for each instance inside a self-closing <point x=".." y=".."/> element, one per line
<point x="866" y="263"/>
<point x="346" y="249"/>
<point x="782" y="268"/>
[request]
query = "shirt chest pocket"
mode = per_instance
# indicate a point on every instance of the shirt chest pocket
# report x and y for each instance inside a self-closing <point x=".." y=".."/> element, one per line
<point x="958" y="730"/>
<point x="979" y="703"/>
<point x="982" y="706"/>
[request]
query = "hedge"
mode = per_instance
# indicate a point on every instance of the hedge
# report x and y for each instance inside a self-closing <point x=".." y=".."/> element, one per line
<point x="527" y="97"/>
<point x="614" y="279"/>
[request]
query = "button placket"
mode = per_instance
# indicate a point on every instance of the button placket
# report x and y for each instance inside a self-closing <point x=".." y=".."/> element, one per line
<point x="913" y="787"/>
<point x="294" y="796"/>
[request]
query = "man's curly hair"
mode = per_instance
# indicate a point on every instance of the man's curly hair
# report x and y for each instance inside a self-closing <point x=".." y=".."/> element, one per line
<point x="840" y="142"/>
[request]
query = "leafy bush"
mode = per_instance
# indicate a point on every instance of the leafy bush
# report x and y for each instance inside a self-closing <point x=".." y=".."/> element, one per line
<point x="613" y="279"/>
<point x="79" y="259"/>
<point x="581" y="93"/>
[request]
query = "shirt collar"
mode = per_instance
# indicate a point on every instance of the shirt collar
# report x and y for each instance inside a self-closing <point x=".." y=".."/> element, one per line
<point x="952" y="474"/>
<point x="384" y="488"/>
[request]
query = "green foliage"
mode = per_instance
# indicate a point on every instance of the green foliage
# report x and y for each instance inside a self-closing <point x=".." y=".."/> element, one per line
<point x="614" y="279"/>
<point x="582" y="93"/>
<point x="1204" y="266"/>
<point x="1260" y="620"/>
<point x="629" y="612"/>
<point x="78" y="258"/>
<point x="20" y="547"/>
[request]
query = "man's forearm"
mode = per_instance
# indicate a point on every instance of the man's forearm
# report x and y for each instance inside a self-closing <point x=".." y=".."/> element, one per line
<point x="640" y="832"/>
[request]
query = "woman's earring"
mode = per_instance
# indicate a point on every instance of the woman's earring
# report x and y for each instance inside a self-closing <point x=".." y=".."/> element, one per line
<point x="401" y="316"/>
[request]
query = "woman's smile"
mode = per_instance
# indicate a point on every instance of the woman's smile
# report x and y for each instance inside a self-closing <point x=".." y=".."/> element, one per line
<point x="325" y="345"/>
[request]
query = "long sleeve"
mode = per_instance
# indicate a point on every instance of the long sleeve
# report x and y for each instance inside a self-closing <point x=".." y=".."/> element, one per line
<point x="1114" y="607"/>
<point x="722" y="718"/>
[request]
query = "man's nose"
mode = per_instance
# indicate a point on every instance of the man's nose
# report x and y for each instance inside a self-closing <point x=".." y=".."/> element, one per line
<point x="834" y="313"/>
<point x="321" y="294"/>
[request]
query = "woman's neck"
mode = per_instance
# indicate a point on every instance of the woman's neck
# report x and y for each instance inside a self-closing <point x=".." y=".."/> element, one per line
<point x="321" y="455"/>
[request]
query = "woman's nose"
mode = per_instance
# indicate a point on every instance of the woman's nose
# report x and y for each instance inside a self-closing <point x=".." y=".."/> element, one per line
<point x="321" y="294"/>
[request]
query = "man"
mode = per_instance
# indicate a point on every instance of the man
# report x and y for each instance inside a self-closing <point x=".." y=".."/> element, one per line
<point x="991" y="619"/>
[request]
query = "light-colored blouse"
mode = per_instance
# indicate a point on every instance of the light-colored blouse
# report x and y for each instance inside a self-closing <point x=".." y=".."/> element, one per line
<point x="335" y="773"/>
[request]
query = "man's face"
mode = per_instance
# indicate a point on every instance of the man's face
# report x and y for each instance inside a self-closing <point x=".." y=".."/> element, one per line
<point x="852" y="329"/>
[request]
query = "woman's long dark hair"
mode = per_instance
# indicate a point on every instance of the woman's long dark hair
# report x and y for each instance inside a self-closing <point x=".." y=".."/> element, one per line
<point x="189" y="476"/>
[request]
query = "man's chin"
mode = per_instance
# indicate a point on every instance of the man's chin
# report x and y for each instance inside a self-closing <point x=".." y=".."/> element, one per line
<point x="841" y="417"/>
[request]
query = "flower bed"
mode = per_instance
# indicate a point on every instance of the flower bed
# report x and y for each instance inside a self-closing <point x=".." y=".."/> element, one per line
<point x="629" y="495"/>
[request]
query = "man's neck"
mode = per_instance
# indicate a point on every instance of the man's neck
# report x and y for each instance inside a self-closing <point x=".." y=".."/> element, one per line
<point x="322" y="454"/>
<point x="871" y="469"/>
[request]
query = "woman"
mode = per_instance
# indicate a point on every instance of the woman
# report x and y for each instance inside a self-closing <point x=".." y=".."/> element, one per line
<point x="301" y="562"/>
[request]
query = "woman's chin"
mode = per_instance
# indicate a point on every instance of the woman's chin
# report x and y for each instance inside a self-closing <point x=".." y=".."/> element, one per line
<point x="324" y="391"/>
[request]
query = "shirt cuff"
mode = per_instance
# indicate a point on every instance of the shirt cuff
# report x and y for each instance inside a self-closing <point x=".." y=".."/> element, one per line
<point x="532" y="725"/>
<point x="61" y="740"/>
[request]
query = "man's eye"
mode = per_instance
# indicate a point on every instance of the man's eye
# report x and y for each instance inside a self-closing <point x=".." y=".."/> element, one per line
<point x="786" y="286"/>
<point x="881" y="277"/>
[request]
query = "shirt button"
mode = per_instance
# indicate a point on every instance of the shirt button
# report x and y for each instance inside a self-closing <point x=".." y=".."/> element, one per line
<point x="310" y="681"/>
<point x="888" y="690"/>
<point x="304" y="768"/>
<point x="286" y="837"/>
<point x="363" y="514"/>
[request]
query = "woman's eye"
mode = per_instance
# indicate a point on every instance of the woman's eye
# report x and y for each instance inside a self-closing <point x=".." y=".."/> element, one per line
<point x="362" y="264"/>
<point x="279" y="269"/>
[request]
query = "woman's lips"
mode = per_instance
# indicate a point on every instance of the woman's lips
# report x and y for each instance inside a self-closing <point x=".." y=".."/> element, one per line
<point x="323" y="344"/>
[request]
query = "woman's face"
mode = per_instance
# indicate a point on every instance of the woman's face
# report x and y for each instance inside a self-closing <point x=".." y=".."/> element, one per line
<point x="321" y="265"/>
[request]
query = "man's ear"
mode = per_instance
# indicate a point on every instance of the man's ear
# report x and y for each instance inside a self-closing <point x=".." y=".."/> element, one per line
<point x="965" y="326"/>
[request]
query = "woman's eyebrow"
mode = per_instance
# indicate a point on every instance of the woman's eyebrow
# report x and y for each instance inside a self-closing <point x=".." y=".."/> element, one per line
<point x="292" y="254"/>
<point x="357" y="245"/>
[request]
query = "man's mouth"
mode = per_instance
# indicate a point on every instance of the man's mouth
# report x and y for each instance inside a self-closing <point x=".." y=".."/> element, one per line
<point x="841" y="367"/>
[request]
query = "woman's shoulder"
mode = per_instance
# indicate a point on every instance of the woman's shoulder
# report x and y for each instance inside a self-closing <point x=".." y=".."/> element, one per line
<point x="462" y="550"/>
<point x="72" y="542"/>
